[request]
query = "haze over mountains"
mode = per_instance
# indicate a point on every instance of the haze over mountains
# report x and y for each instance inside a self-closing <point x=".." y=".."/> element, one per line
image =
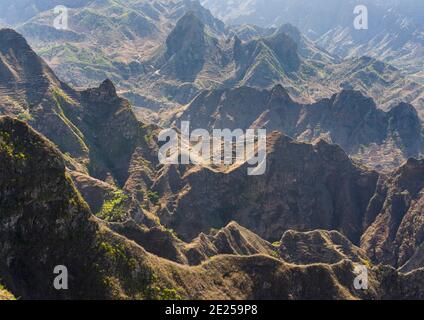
<point x="395" y="31"/>
<point x="379" y="139"/>
<point x="131" y="43"/>
<point x="81" y="184"/>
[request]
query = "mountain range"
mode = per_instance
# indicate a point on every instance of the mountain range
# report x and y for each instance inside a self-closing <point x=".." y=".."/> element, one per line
<point x="133" y="44"/>
<point x="394" y="34"/>
<point x="81" y="184"/>
<point x="379" y="139"/>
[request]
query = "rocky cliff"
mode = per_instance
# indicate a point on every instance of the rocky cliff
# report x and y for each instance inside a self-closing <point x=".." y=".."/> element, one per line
<point x="305" y="187"/>
<point x="382" y="140"/>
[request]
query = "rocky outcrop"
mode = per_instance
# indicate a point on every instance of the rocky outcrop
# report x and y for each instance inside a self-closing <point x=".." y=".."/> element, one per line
<point x="95" y="128"/>
<point x="93" y="191"/>
<point x="45" y="223"/>
<point x="382" y="140"/>
<point x="406" y="127"/>
<point x="105" y="93"/>
<point x="319" y="246"/>
<point x="186" y="47"/>
<point x="397" y="232"/>
<point x="305" y="187"/>
<point x="231" y="240"/>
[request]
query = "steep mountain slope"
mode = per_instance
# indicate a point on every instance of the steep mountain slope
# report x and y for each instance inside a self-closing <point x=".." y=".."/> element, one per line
<point x="281" y="56"/>
<point x="132" y="44"/>
<point x="210" y="62"/>
<point x="45" y="223"/>
<point x="107" y="39"/>
<point x="21" y="69"/>
<point x="127" y="253"/>
<point x="318" y="247"/>
<point x="51" y="221"/>
<point x="396" y="235"/>
<point x="386" y="84"/>
<point x="330" y="24"/>
<point x="112" y="157"/>
<point x="95" y="129"/>
<point x="49" y="224"/>
<point x="285" y="197"/>
<point x="380" y="139"/>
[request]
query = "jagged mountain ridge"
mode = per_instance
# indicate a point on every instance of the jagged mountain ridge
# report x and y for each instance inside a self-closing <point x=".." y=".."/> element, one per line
<point x="125" y="55"/>
<point x="108" y="39"/>
<point x="283" y="56"/>
<point x="285" y="197"/>
<point x="394" y="34"/>
<point x="105" y="265"/>
<point x="132" y="166"/>
<point x="114" y="125"/>
<point x="77" y="121"/>
<point x="305" y="187"/>
<point x="106" y="148"/>
<point x="382" y="140"/>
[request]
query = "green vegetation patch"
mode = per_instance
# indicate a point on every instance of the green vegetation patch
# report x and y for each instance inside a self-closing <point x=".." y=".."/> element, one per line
<point x="5" y="295"/>
<point x="114" y="208"/>
<point x="8" y="147"/>
<point x="153" y="197"/>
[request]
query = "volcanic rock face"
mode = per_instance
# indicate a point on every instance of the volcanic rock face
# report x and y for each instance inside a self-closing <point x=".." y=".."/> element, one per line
<point x="130" y="252"/>
<point x="318" y="247"/>
<point x="349" y="119"/>
<point x="44" y="222"/>
<point x="129" y="44"/>
<point x="305" y="187"/>
<point x="186" y="47"/>
<point x="397" y="232"/>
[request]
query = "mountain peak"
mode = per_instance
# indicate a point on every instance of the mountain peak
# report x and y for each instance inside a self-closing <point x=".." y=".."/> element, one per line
<point x="353" y="98"/>
<point x="108" y="88"/>
<point x="105" y="93"/>
<point x="278" y="91"/>
<point x="286" y="50"/>
<point x="190" y="22"/>
<point x="404" y="109"/>
<point x="9" y="38"/>
<point x="186" y="47"/>
<point x="20" y="66"/>
<point x="215" y="25"/>
<point x="291" y="31"/>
